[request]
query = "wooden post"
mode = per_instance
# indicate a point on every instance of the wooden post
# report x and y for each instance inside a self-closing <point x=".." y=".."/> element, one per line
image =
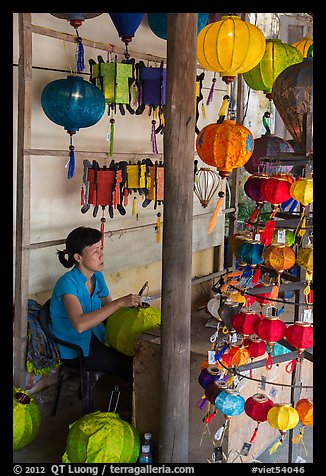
<point x="179" y="145"/>
<point x="23" y="198"/>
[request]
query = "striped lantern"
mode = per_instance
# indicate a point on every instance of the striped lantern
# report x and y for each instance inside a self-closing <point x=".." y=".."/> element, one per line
<point x="303" y="45"/>
<point x="283" y="417"/>
<point x="257" y="407"/>
<point x="304" y="407"/>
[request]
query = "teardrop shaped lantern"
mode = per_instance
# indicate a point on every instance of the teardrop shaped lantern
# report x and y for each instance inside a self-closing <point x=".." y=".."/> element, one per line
<point x="300" y="335"/>
<point x="226" y="146"/>
<point x="304" y="407"/>
<point x="158" y="23"/>
<point x="268" y="145"/>
<point x="303" y="45"/>
<point x="206" y="185"/>
<point x="230" y="46"/>
<point x="257" y="407"/>
<point x="270" y="329"/>
<point x="72" y="103"/>
<point x="126" y="25"/>
<point x="276" y="58"/>
<point x="293" y="98"/>
<point x="283" y="417"/>
<point x="245" y="322"/>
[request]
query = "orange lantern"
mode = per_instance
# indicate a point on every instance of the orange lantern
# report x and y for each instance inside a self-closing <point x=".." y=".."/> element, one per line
<point x="303" y="45"/>
<point x="304" y="407"/>
<point x="279" y="257"/>
<point x="225" y="145"/>
<point x="236" y="355"/>
<point x="283" y="417"/>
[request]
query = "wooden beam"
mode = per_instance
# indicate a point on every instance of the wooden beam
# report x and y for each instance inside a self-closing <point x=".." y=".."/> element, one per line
<point x="23" y="199"/>
<point x="179" y="145"/>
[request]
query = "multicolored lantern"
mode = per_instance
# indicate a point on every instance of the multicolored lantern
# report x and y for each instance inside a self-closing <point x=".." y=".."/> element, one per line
<point x="283" y="417"/>
<point x="126" y="25"/>
<point x="300" y="335"/>
<point x="257" y="407"/>
<point x="276" y="58"/>
<point x="303" y="45"/>
<point x="304" y="407"/>
<point x="26" y="418"/>
<point x="293" y="98"/>
<point x="235" y="355"/>
<point x="230" y="47"/>
<point x="230" y="403"/>
<point x="245" y="322"/>
<point x="269" y="146"/>
<point x="226" y="146"/>
<point x="101" y="437"/>
<point x="126" y="324"/>
<point x="270" y="329"/>
<point x="158" y="23"/>
<point x="72" y="103"/>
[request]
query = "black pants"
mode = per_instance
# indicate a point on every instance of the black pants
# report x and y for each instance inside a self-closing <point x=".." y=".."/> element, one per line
<point x="101" y="357"/>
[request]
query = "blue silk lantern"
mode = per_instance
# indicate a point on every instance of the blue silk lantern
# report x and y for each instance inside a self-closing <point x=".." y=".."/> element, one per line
<point x="126" y="24"/>
<point x="230" y="402"/>
<point x="72" y="103"/>
<point x="251" y="253"/>
<point x="208" y="375"/>
<point x="158" y="23"/>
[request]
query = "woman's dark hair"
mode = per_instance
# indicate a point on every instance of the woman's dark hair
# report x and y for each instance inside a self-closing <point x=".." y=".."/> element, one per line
<point x="76" y="241"/>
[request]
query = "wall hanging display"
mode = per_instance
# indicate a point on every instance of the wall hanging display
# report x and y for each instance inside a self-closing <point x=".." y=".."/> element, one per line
<point x="72" y="103"/>
<point x="101" y="437"/>
<point x="26" y="418"/>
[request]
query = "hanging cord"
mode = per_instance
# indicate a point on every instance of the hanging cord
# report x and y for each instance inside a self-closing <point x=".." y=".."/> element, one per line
<point x="66" y="54"/>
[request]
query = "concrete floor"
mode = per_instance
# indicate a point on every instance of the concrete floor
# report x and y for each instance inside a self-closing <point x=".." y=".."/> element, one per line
<point x="49" y="444"/>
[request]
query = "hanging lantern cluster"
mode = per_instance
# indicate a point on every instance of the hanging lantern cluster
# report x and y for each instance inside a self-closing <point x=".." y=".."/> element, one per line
<point x="230" y="46"/>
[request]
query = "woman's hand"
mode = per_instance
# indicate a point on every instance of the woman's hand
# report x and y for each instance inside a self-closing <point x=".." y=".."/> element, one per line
<point x="130" y="300"/>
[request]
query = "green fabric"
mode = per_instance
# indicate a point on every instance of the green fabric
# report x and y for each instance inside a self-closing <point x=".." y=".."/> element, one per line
<point x="33" y="370"/>
<point x="26" y="420"/>
<point x="125" y="325"/>
<point x="101" y="437"/>
<point x="113" y="80"/>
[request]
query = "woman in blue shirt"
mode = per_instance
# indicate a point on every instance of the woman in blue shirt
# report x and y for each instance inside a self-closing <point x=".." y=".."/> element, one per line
<point x="80" y="302"/>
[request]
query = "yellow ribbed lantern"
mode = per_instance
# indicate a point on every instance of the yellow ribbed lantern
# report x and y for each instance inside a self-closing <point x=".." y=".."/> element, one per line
<point x="305" y="258"/>
<point x="283" y="417"/>
<point x="230" y="46"/>
<point x="302" y="190"/>
<point x="303" y="45"/>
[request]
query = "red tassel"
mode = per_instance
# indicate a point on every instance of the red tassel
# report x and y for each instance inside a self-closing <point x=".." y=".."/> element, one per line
<point x="252" y="217"/>
<point x="253" y="436"/>
<point x="256" y="276"/>
<point x="82" y="196"/>
<point x="209" y="418"/>
<point x="290" y="366"/>
<point x="267" y="233"/>
<point x="102" y="230"/>
<point x="269" y="362"/>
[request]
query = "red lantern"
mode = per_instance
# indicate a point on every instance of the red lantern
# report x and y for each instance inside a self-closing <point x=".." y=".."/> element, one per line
<point x="270" y="329"/>
<point x="300" y="335"/>
<point x="257" y="407"/>
<point x="262" y="297"/>
<point x="255" y="346"/>
<point x="245" y="322"/>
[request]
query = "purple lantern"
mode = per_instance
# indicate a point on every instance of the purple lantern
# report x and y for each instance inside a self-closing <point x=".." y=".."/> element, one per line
<point x="268" y="145"/>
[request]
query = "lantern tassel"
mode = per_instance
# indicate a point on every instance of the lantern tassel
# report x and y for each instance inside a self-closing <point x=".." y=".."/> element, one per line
<point x="71" y="162"/>
<point x="221" y="194"/>
<point x="275" y="446"/>
<point x="266" y="235"/>
<point x="290" y="366"/>
<point x="80" y="55"/>
<point x="222" y="111"/>
<point x="82" y="196"/>
<point x="256" y="276"/>
<point x="296" y="439"/>
<point x="203" y="111"/>
<point x="134" y="203"/>
<point x="158" y="227"/>
<point x="269" y="361"/>
<point x="111" y="136"/>
<point x="253" y="216"/>
<point x="102" y="230"/>
<point x="211" y="91"/>
<point x="202" y="402"/>
<point x="210" y="417"/>
<point x="253" y="436"/>
<point x="153" y="138"/>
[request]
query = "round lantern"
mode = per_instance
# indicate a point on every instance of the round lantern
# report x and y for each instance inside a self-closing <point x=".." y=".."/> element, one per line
<point x="293" y="98"/>
<point x="268" y="145"/>
<point x="251" y="253"/>
<point x="289" y="236"/>
<point x="279" y="257"/>
<point x="303" y="45"/>
<point x="230" y="47"/>
<point x="126" y="24"/>
<point x="276" y="190"/>
<point x="300" y="336"/>
<point x="230" y="402"/>
<point x="255" y="346"/>
<point x="253" y="189"/>
<point x="257" y="408"/>
<point x="226" y="146"/>
<point x="26" y="418"/>
<point x="236" y="355"/>
<point x="236" y="239"/>
<point x="214" y="389"/>
<point x="72" y="103"/>
<point x="283" y="417"/>
<point x="126" y="324"/>
<point x="101" y="437"/>
<point x="270" y="329"/>
<point x="302" y="190"/>
<point x="245" y="322"/>
<point x="276" y="58"/>
<point x="305" y="258"/>
<point x="208" y="375"/>
<point x="304" y="407"/>
<point x="158" y="23"/>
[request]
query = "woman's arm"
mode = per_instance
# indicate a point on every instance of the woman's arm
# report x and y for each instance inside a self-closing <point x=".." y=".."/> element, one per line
<point x="82" y="322"/>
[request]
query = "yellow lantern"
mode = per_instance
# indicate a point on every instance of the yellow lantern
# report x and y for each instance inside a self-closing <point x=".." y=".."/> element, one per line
<point x="279" y="256"/>
<point x="304" y="45"/>
<point x="230" y="46"/>
<point x="305" y="258"/>
<point x="283" y="417"/>
<point x="302" y="190"/>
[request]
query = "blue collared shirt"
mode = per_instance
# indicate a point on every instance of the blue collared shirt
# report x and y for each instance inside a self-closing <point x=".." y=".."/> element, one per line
<point x="74" y="282"/>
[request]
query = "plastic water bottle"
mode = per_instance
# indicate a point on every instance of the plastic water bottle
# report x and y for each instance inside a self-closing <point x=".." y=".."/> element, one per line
<point x="145" y="455"/>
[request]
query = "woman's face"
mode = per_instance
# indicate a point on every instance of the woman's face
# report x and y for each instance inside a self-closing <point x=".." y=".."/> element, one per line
<point x="92" y="257"/>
